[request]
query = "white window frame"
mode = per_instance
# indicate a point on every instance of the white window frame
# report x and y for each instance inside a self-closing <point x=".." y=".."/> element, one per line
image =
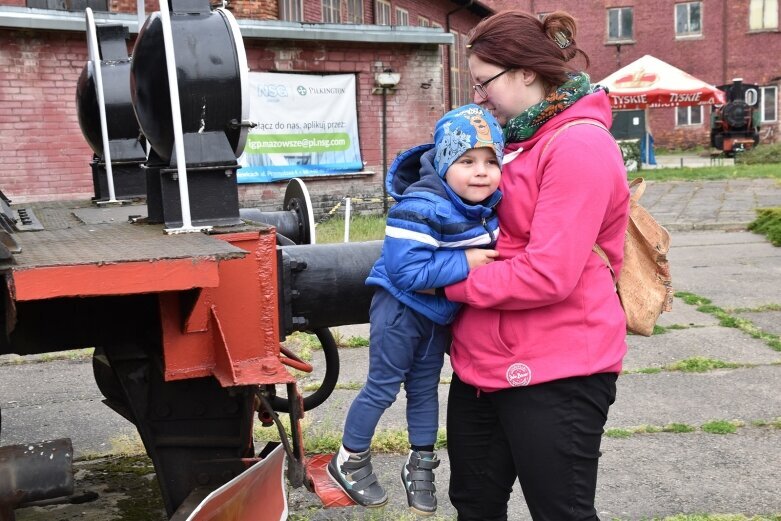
<point x="688" y="122"/>
<point x="291" y="10"/>
<point x="332" y="11"/>
<point x="763" y="15"/>
<point x="767" y="94"/>
<point x="687" y="33"/>
<point x="621" y="36"/>
<point x="382" y="12"/>
<point x="402" y="16"/>
<point x="423" y="21"/>
<point x="354" y="12"/>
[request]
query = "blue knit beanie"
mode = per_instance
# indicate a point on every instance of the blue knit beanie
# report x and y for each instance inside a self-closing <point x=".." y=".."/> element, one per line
<point x="463" y="128"/>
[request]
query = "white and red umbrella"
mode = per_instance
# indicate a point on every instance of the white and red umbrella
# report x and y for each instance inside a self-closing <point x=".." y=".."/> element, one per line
<point x="649" y="82"/>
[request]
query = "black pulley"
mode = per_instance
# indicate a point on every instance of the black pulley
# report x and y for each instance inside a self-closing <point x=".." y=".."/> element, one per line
<point x="323" y="285"/>
<point x="296" y="222"/>
<point x="211" y="74"/>
<point x="122" y="126"/>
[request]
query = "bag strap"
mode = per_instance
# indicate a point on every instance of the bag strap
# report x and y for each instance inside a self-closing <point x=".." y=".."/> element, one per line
<point x="562" y="128"/>
<point x="602" y="255"/>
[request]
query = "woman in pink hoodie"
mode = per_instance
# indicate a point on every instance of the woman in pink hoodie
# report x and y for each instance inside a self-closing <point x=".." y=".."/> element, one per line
<point x="539" y="344"/>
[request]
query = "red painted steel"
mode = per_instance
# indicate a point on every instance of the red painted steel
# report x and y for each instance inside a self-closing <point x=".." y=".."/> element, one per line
<point x="324" y="486"/>
<point x="122" y="278"/>
<point x="232" y="330"/>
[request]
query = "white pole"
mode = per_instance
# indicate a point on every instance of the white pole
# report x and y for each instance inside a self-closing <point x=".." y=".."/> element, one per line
<point x="176" y="116"/>
<point x="347" y="219"/>
<point x="141" y="13"/>
<point x="94" y="57"/>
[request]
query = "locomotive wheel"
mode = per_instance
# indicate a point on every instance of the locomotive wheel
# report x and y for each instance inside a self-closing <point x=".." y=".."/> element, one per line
<point x="331" y="353"/>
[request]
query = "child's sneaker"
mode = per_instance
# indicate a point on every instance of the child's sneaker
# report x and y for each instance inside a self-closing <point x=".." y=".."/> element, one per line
<point x="418" y="478"/>
<point x="353" y="473"/>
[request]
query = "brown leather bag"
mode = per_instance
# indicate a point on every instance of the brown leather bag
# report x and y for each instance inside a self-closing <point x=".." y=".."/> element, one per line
<point x="645" y="285"/>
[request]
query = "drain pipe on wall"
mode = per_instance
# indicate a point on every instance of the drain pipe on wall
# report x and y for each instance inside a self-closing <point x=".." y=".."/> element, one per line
<point x="449" y="92"/>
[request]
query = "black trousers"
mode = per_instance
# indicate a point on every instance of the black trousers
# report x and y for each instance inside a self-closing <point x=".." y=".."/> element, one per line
<point x="546" y="435"/>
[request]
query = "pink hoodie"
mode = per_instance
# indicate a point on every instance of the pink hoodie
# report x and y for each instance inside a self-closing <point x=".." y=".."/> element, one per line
<point x="547" y="308"/>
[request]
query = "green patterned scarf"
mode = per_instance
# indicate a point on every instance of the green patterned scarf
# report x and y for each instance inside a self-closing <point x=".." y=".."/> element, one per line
<point x="523" y="126"/>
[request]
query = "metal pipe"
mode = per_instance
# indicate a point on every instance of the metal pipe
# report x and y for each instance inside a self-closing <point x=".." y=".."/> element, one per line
<point x="324" y="285"/>
<point x="35" y="471"/>
<point x="94" y="56"/>
<point x="176" y="117"/>
<point x="384" y="151"/>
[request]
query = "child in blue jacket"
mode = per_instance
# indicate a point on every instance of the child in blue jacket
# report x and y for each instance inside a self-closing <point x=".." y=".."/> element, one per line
<point x="441" y="227"/>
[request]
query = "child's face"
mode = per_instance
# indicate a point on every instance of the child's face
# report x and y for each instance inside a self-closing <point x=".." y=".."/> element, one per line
<point x="475" y="175"/>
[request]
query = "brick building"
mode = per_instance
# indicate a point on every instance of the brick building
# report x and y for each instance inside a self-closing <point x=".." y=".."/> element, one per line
<point x="714" y="40"/>
<point x="43" y="50"/>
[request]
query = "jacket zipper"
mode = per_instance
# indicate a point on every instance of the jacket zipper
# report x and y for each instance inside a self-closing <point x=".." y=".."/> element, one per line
<point x="490" y="233"/>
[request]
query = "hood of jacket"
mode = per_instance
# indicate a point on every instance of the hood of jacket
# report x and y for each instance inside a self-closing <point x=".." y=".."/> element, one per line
<point x="412" y="174"/>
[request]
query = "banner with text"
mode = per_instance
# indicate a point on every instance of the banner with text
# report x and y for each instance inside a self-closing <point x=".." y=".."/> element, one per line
<point x="306" y="125"/>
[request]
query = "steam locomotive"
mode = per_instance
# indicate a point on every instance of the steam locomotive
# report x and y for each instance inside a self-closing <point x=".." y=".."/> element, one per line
<point x="186" y="325"/>
<point x="735" y="125"/>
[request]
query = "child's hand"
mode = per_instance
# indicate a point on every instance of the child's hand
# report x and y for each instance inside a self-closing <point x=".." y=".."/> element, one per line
<point x="478" y="256"/>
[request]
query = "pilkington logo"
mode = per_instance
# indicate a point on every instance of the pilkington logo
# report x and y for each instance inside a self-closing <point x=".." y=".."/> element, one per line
<point x="301" y="90"/>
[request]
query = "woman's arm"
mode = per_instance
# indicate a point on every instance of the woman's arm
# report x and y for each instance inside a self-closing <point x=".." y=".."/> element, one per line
<point x="575" y="196"/>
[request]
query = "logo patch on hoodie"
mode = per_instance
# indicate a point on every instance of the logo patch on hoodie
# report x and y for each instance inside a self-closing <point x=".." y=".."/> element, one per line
<point x="519" y="374"/>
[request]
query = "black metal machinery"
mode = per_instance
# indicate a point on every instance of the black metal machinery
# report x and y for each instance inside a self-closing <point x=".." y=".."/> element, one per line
<point x="735" y="124"/>
<point x="125" y="140"/>
<point x="197" y="431"/>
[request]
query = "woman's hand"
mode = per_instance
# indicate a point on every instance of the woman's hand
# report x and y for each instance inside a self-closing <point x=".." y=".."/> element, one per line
<point x="478" y="256"/>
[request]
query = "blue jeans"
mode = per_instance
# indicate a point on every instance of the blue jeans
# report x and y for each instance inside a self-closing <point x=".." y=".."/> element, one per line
<point x="405" y="347"/>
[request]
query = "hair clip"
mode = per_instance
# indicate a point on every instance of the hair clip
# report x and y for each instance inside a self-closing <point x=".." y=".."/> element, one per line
<point x="561" y="39"/>
<point x="469" y="46"/>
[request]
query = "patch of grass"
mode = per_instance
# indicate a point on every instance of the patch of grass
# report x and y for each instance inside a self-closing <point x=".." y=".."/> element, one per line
<point x="362" y="228"/>
<point x="768" y="223"/>
<point x="659" y="330"/>
<point x="757" y="309"/>
<point x="643" y="370"/>
<point x="711" y="173"/>
<point x="615" y="432"/>
<point x="678" y="428"/>
<point x="727" y="319"/>
<point x="355" y="341"/>
<point x="345" y="386"/>
<point x="720" y="517"/>
<point x="700" y="364"/>
<point x="721" y="426"/>
<point x="764" y="154"/>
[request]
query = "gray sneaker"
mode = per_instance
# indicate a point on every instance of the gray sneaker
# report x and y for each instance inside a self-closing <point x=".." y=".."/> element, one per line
<point x="356" y="478"/>
<point x="417" y="475"/>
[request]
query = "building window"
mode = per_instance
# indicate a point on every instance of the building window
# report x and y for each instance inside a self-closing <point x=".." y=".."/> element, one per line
<point x="331" y="14"/>
<point x="619" y="24"/>
<point x="688" y="19"/>
<point x="354" y="12"/>
<point x="768" y="102"/>
<point x="460" y="88"/>
<point x="423" y="21"/>
<point x="688" y="116"/>
<point x="291" y="10"/>
<point x="382" y="12"/>
<point x="69" y="5"/>
<point x="402" y="16"/>
<point x="763" y="14"/>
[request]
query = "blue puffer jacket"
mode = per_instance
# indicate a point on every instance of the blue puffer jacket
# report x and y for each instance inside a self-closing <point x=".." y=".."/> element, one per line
<point x="426" y="233"/>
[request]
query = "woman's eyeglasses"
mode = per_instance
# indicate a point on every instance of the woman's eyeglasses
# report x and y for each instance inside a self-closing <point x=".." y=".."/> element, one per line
<point x="480" y="87"/>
